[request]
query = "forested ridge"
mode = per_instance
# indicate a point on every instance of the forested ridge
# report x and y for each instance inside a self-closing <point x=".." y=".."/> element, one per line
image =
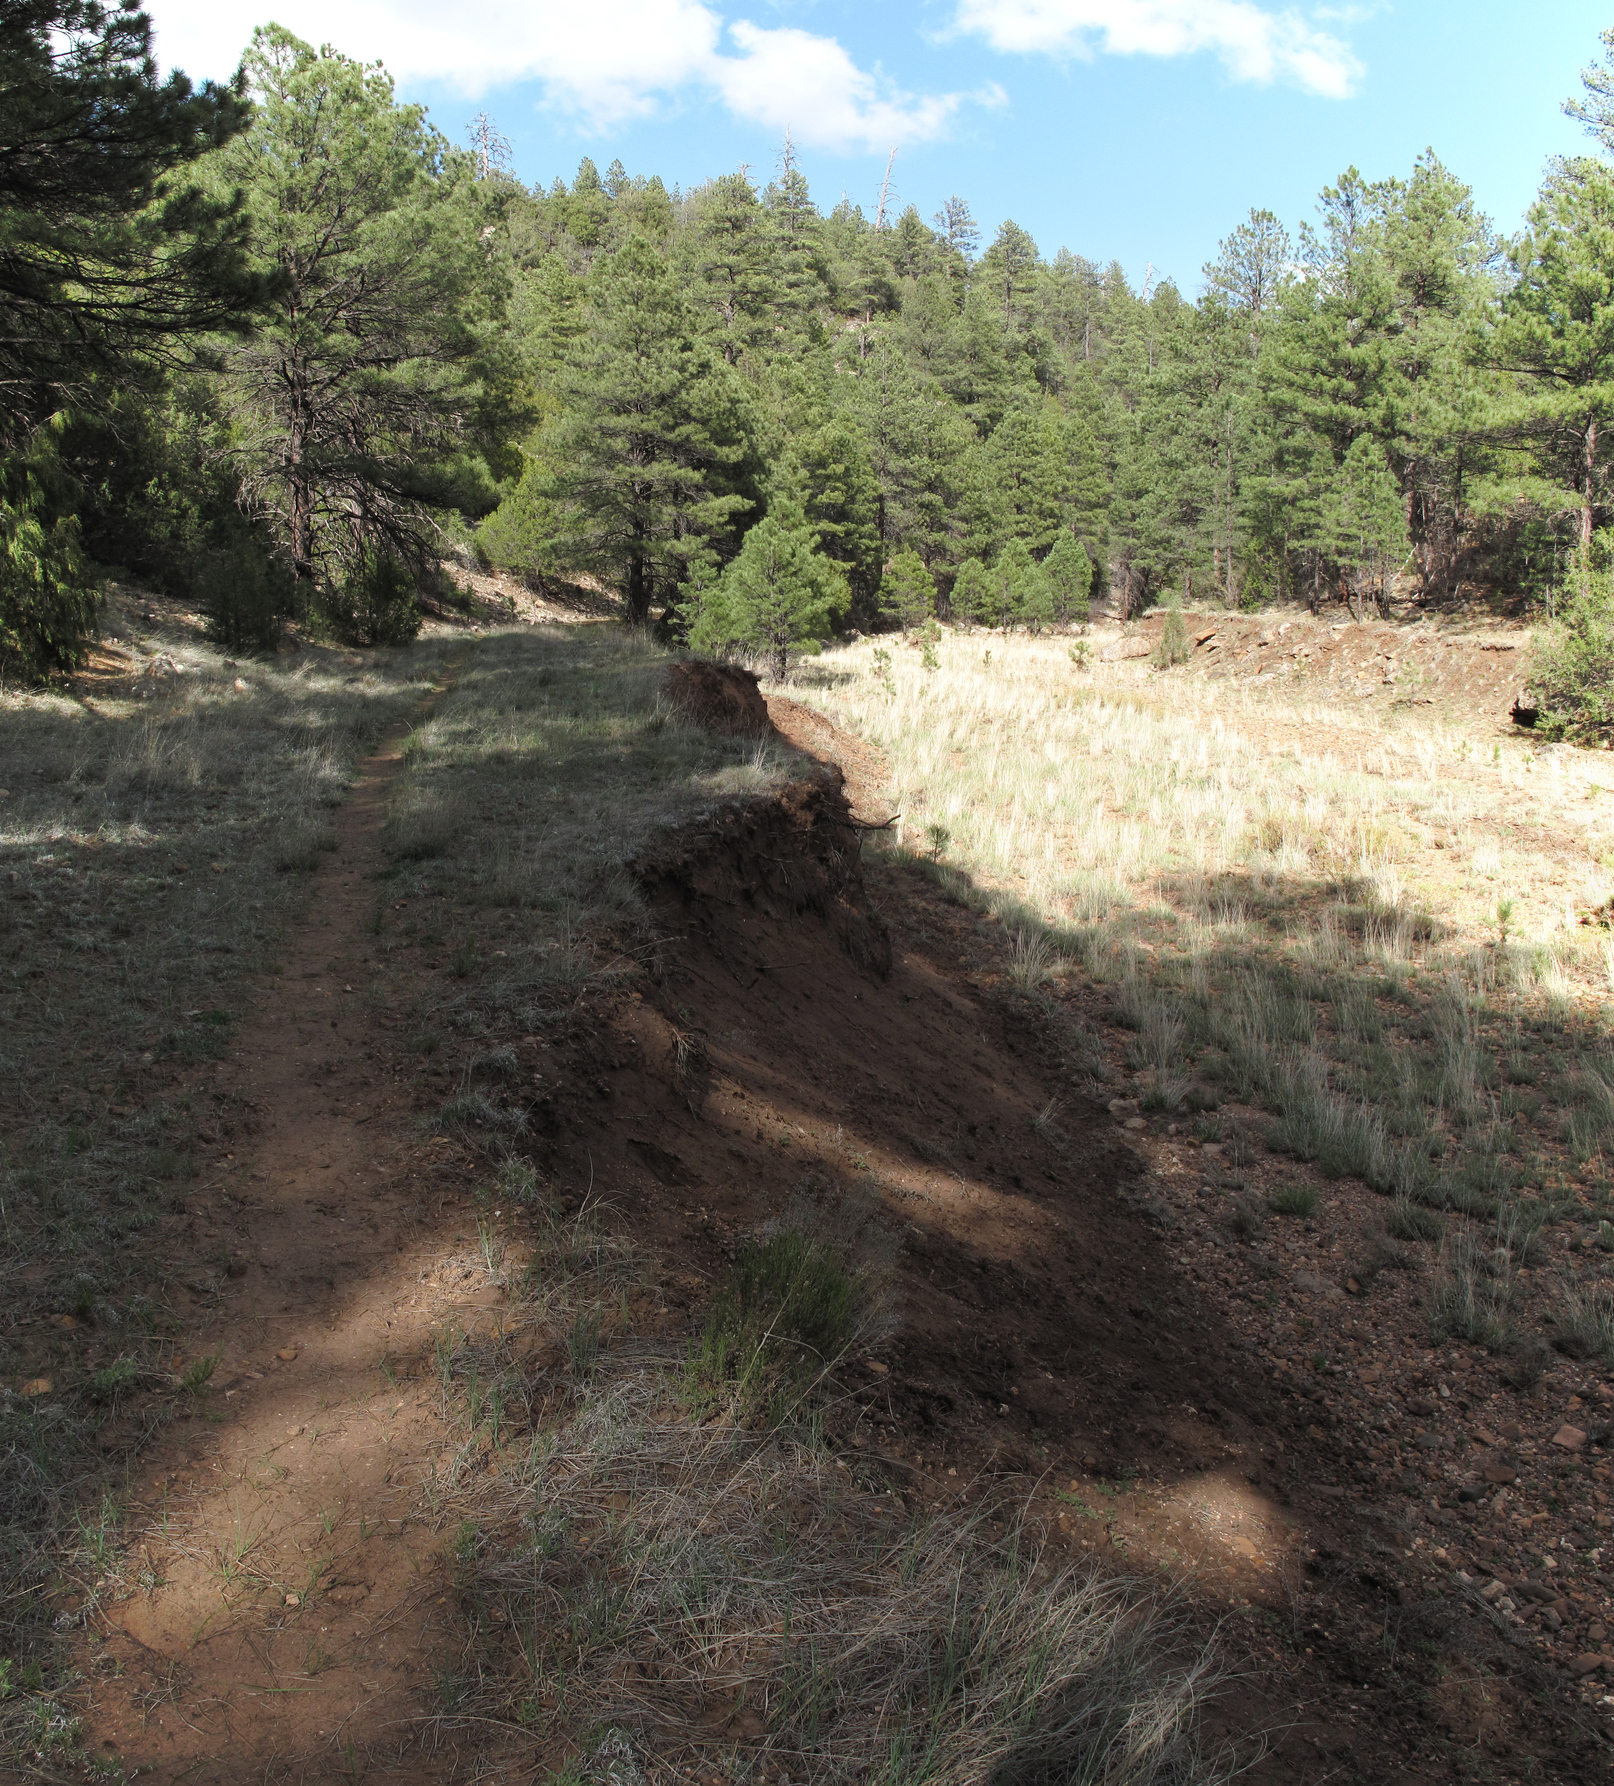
<point x="756" y="418"/>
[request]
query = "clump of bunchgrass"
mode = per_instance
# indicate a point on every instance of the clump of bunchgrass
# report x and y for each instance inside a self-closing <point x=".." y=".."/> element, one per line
<point x="1473" y="1293"/>
<point x="1293" y="1199"/>
<point x="754" y="1563"/>
<point x="1408" y="1220"/>
<point x="1583" y="1322"/>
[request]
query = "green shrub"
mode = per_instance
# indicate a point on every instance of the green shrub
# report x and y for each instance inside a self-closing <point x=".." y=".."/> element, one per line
<point x="244" y="590"/>
<point x="48" y="594"/>
<point x="1173" y="647"/>
<point x="1572" y="672"/>
<point x="377" y="601"/>
<point x="112" y="1382"/>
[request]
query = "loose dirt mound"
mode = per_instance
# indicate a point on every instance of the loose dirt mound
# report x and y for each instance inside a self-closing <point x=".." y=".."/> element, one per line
<point x="722" y="697"/>
<point x="1375" y="661"/>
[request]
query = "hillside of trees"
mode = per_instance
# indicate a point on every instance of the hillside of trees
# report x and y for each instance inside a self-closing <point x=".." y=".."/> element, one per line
<point x="285" y="348"/>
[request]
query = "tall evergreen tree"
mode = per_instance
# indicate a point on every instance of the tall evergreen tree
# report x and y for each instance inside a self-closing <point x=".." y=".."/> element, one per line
<point x="780" y="593"/>
<point x="907" y="591"/>
<point x="650" y="466"/>
<point x="731" y="261"/>
<point x="114" y="259"/>
<point x="351" y="404"/>
<point x="1555" y="334"/>
<point x="971" y="594"/>
<point x="111" y="258"/>
<point x="1070" y="581"/>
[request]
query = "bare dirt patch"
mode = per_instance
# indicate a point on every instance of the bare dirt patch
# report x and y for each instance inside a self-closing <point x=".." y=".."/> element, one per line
<point x="721" y="697"/>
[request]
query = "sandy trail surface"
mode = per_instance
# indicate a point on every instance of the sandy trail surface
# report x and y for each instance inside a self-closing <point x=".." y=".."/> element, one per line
<point x="292" y="1603"/>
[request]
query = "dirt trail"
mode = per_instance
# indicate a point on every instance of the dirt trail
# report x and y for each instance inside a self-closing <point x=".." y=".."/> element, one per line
<point x="288" y="1619"/>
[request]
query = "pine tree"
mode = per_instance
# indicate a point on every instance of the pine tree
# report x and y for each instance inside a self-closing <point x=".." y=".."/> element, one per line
<point x="913" y="247"/>
<point x="907" y="591"/>
<point x="350" y="404"/>
<point x="112" y="255"/>
<point x="823" y="468"/>
<point x="730" y="257"/>
<point x="1008" y="268"/>
<point x="970" y="597"/>
<point x="779" y="594"/>
<point x="650" y="466"/>
<point x="1362" y="525"/>
<point x="799" y="254"/>
<point x="1070" y="581"/>
<point x="114" y="261"/>
<point x="1555" y="335"/>
<point x="1017" y="590"/>
<point x="958" y="228"/>
<point x="918" y="448"/>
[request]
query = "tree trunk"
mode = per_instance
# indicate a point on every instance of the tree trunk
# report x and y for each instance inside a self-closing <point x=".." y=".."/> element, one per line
<point x="1586" y="513"/>
<point x="299" y="484"/>
<point x="638" y="590"/>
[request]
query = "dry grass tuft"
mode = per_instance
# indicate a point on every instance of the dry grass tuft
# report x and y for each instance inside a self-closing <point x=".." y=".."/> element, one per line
<point x="725" y="1586"/>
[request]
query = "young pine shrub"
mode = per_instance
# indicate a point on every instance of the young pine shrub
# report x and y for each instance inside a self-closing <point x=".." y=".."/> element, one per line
<point x="376" y="601"/>
<point x="907" y="591"/>
<point x="1173" y="647"/>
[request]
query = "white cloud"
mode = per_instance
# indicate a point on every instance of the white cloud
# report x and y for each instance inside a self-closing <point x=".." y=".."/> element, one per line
<point x="1255" y="43"/>
<point x="605" y="62"/>
<point x="790" y="77"/>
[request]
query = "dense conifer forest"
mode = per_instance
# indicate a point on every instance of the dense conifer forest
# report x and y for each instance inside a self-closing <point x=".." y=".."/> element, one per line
<point x="287" y="349"/>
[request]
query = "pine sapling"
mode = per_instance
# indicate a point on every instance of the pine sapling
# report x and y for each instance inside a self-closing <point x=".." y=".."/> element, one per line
<point x="1173" y="647"/>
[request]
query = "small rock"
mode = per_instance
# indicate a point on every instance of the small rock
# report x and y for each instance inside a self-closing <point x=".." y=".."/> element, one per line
<point x="1493" y="1591"/>
<point x="1585" y="1665"/>
<point x="38" y="1386"/>
<point x="878" y="1369"/>
<point x="239" y="686"/>
<point x="1428" y="1441"/>
<point x="1242" y="1547"/>
<point x="287" y="1353"/>
<point x="294" y="1600"/>
<point x="1331" y="1490"/>
<point x="1569" y="1438"/>
<point x="1134" y="1122"/>
<point x="65" y="1322"/>
<point x="1500" y="1473"/>
<point x="1597" y="1633"/>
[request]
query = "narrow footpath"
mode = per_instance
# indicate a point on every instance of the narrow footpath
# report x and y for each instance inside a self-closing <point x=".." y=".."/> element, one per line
<point x="288" y="1622"/>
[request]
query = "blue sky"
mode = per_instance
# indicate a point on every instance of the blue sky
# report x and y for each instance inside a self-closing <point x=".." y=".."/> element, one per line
<point x="1137" y="130"/>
